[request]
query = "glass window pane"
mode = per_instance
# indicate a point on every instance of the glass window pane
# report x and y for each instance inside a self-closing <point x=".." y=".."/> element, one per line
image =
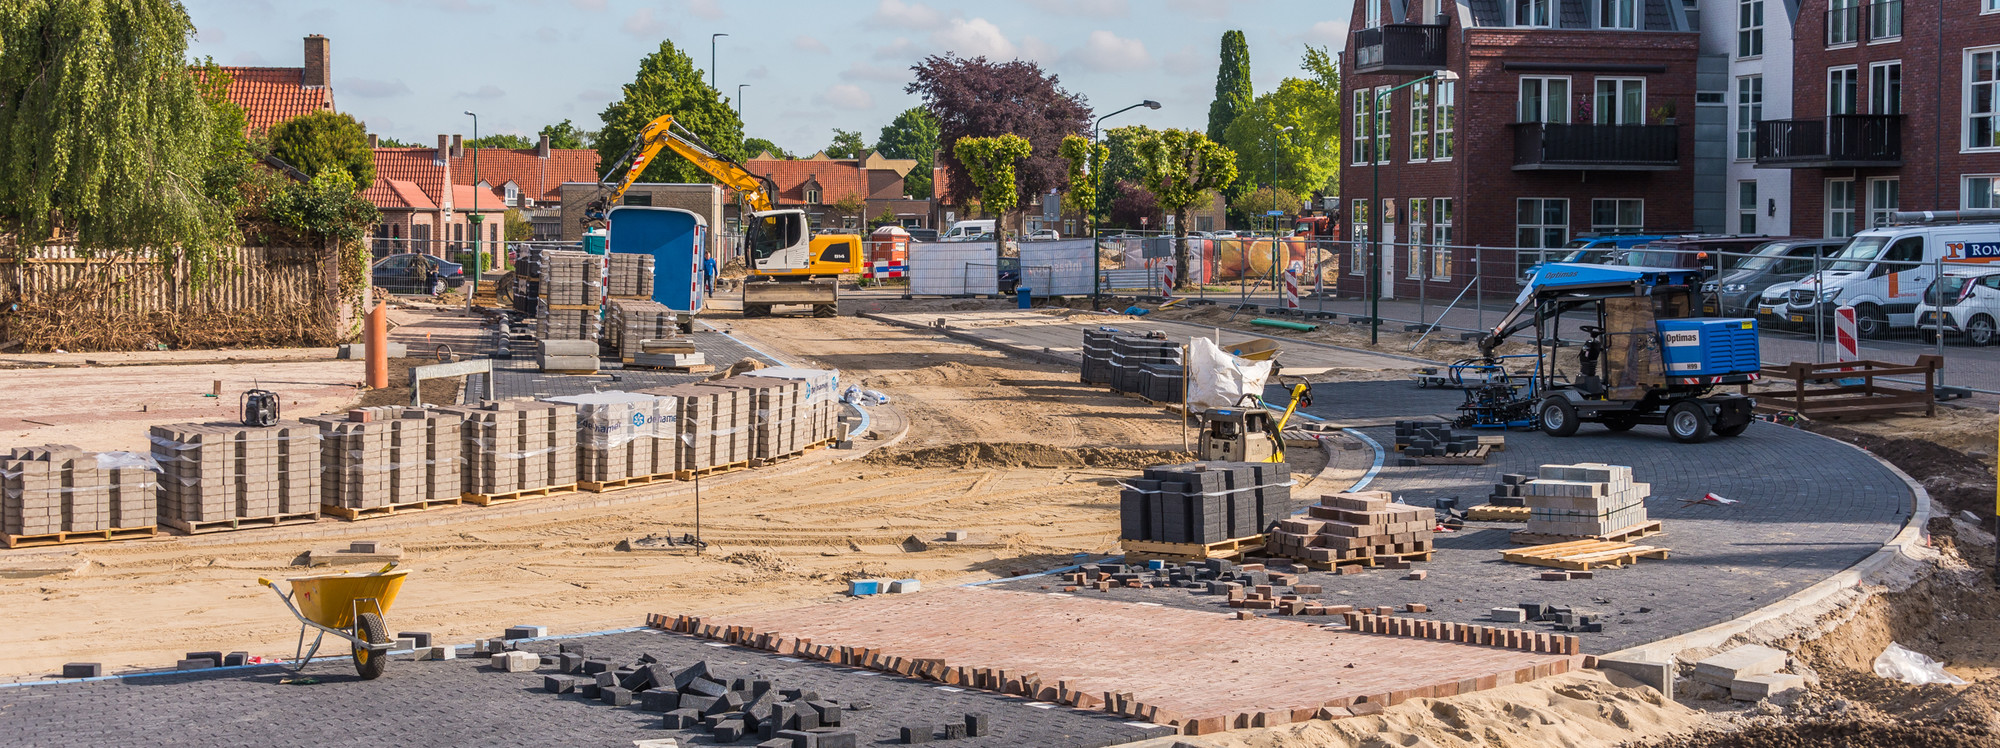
<point x="1555" y="212"/>
<point x="1526" y="210"/>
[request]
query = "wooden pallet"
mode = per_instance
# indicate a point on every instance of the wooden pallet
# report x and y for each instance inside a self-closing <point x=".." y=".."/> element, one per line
<point x="629" y="297"/>
<point x="1583" y="555"/>
<point x="1497" y="441"/>
<point x="78" y="536"/>
<point x="1475" y="457"/>
<point x="1370" y="561"/>
<point x="241" y="523"/>
<point x="695" y="369"/>
<point x="1491" y="513"/>
<point x="1231" y="548"/>
<point x="489" y="499"/>
<point x="352" y="514"/>
<point x="1634" y="532"/>
<point x="729" y="467"/>
<point x="757" y="462"/>
<point x="573" y="307"/>
<point x="612" y="485"/>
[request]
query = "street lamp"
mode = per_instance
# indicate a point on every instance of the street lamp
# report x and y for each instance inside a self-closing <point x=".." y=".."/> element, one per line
<point x="739" y="100"/>
<point x="1274" y="202"/>
<point x="474" y="217"/>
<point x="711" y="60"/>
<point x="1097" y="204"/>
<point x="1374" y="279"/>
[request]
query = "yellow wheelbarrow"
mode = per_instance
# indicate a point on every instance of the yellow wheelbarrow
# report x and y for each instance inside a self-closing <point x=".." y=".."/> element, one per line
<point x="1256" y="349"/>
<point x="350" y="606"/>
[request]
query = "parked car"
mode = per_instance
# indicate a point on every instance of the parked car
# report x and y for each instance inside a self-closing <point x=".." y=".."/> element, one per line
<point x="1224" y="234"/>
<point x="1736" y="293"/>
<point x="923" y="235"/>
<point x="969" y="231"/>
<point x="1590" y="250"/>
<point x="1970" y="300"/>
<point x="1712" y="255"/>
<point x="1044" y="235"/>
<point x="1882" y="273"/>
<point x="415" y="273"/>
<point x="1009" y="274"/>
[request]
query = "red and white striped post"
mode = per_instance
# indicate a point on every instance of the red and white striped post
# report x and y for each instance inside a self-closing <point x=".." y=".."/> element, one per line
<point x="1846" y="336"/>
<point x="1292" y="284"/>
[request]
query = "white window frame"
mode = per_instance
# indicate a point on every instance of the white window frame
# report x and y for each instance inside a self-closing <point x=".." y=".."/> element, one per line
<point x="1371" y="14"/>
<point x="1618" y="225"/>
<point x="1877" y="6"/>
<point x="1541" y="84"/>
<point x="1852" y="74"/>
<point x="1419" y="236"/>
<point x="1970" y="184"/>
<point x="1749" y="111"/>
<point x="1541" y="228"/>
<point x="1444" y="123"/>
<point x="1385" y="112"/>
<point x="1746" y="206"/>
<point x="1360" y="116"/>
<point x="1854" y="33"/>
<point x="513" y="194"/>
<point x="1831" y="229"/>
<point x="812" y="197"/>
<point x="1441" y="238"/>
<point x="1545" y="9"/>
<point x="1618" y="14"/>
<point x="1619" y="101"/>
<point x="1966" y="88"/>
<point x="1878" y="80"/>
<point x="1420" y="122"/>
<point x="1357" y="233"/>
<point x="1879" y="214"/>
<point x="1749" y="29"/>
<point x="1991" y="6"/>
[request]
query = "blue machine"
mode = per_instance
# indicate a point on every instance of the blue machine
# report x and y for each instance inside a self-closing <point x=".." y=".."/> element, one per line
<point x="677" y="240"/>
<point x="1709" y="347"/>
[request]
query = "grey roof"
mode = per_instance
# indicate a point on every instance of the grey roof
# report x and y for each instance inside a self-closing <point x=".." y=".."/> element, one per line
<point x="1488" y="12"/>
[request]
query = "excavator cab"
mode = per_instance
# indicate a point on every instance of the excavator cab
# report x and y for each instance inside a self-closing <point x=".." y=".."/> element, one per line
<point x="777" y="242"/>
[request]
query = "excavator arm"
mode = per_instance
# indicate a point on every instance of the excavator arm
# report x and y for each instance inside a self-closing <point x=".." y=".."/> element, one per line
<point x="664" y="133"/>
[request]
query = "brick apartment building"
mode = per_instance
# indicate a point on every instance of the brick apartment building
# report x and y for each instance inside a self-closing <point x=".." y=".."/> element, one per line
<point x="1896" y="107"/>
<point x="1567" y="116"/>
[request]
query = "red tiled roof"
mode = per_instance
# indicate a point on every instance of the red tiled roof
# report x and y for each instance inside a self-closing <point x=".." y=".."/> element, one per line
<point x="269" y="96"/>
<point x="397" y="193"/>
<point x="537" y="177"/>
<point x="837" y="179"/>
<point x="399" y="171"/>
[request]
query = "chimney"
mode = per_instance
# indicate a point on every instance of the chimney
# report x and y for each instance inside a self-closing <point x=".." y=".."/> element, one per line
<point x="458" y="146"/>
<point x="444" y="148"/>
<point x="444" y="161"/>
<point x="372" y="141"/>
<point x="542" y="148"/>
<point x="318" y="68"/>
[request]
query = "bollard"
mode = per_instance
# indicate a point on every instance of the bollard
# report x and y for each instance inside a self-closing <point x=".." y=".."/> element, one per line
<point x="377" y="341"/>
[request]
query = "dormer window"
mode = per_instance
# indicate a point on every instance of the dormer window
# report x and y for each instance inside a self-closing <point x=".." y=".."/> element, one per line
<point x="1534" y="13"/>
<point x="812" y="196"/>
<point x="513" y="194"/>
<point x="1619" y="14"/>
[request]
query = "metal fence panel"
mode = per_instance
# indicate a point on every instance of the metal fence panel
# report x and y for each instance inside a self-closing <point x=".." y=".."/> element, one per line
<point x="939" y="268"/>
<point x="1068" y="267"/>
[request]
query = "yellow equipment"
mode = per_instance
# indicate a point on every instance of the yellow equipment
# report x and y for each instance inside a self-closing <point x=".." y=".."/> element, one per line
<point x="1249" y="433"/>
<point x="350" y="606"/>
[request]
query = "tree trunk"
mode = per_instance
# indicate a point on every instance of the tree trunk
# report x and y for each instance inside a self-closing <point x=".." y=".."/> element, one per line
<point x="1180" y="248"/>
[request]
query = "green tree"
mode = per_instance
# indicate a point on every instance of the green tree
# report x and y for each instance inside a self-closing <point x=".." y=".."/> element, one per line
<point x="752" y="147"/>
<point x="1085" y="162"/>
<point x="106" y="140"/>
<point x="388" y="142"/>
<point x="1232" y="85"/>
<point x="1252" y="205"/>
<point x="1308" y="157"/>
<point x="325" y="140"/>
<point x="1121" y="162"/>
<point x="505" y="140"/>
<point x="846" y="144"/>
<point x="328" y="207"/>
<point x="990" y="163"/>
<point x="669" y="83"/>
<point x="518" y="227"/>
<point x="566" y="136"/>
<point x="913" y="135"/>
<point x="1181" y="167"/>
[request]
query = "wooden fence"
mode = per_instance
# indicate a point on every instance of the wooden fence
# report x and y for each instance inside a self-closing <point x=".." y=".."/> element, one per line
<point x="61" y="298"/>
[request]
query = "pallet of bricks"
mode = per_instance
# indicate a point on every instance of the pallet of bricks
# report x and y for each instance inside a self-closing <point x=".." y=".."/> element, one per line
<point x="625" y="438"/>
<point x="387" y="460"/>
<point x="61" y="494"/>
<point x="647" y="333"/>
<point x="1355" y="528"/>
<point x="1587" y="500"/>
<point x="791" y="410"/>
<point x="1434" y="442"/>
<point x="1202" y="509"/>
<point x="714" y="427"/>
<point x="226" y="476"/>
<point x="571" y="291"/>
<point x="630" y="275"/>
<point x="517" y="449"/>
<point x="1145" y="366"/>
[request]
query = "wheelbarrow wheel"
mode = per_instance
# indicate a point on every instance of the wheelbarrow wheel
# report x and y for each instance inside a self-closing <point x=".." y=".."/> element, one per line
<point x="369" y="627"/>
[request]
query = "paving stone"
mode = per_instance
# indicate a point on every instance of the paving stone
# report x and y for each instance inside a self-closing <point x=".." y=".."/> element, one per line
<point x="558" y="683"/>
<point x="1751" y="659"/>
<point x="682" y="719"/>
<point x="422" y="638"/>
<point x="659" y="701"/>
<point x="1508" y="615"/>
<point x="82" y="670"/>
<point x="1767" y="685"/>
<point x="917" y="734"/>
<point x="614" y="696"/>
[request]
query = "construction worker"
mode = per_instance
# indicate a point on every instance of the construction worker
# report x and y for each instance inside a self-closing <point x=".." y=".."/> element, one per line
<point x="708" y="273"/>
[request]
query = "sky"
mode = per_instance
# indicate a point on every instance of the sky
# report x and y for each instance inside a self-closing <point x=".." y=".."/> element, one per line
<point x="410" y="69"/>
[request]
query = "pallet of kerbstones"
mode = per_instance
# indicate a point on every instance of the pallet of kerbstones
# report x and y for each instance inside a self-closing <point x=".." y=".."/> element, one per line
<point x="217" y="477"/>
<point x="625" y="438"/>
<point x="1585" y="501"/>
<point x="1121" y="361"/>
<point x="630" y="275"/>
<point x="714" y="428"/>
<point x="390" y="460"/>
<point x="1202" y="509"/>
<point x="517" y="449"/>
<point x="785" y="419"/>
<point x="56" y="494"/>
<point x="629" y="322"/>
<point x="1356" y="528"/>
<point x="572" y="279"/>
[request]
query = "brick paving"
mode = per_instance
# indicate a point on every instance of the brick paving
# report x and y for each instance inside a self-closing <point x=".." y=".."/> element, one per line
<point x="520" y="377"/>
<point x="468" y="703"/>
<point x="1195" y="664"/>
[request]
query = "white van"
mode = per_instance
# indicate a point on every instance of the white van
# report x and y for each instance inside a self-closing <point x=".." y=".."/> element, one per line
<point x="968" y="231"/>
<point x="1882" y="273"/>
<point x="1970" y="300"/>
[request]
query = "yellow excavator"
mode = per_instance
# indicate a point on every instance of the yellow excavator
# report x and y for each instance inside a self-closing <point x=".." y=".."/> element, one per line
<point x="786" y="263"/>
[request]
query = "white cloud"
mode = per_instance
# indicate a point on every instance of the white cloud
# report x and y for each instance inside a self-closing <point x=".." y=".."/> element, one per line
<point x="1085" y="8"/>
<point x="1190" y="59"/>
<point x="881" y="73"/>
<point x="845" y="96"/>
<point x="974" y="38"/>
<point x="806" y="43"/>
<point x="488" y="91"/>
<point x="1327" y="33"/>
<point x="1033" y="48"/>
<point x="758" y="73"/>
<point x="900" y="49"/>
<point x="705" y="9"/>
<point x="642" y="24"/>
<point x="1106" y="52"/>
<point x="373" y="89"/>
<point x="912" y="15"/>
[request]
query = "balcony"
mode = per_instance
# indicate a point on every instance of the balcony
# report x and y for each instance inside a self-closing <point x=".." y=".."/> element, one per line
<point x="1839" y="141"/>
<point x="1552" y="146"/>
<point x="1399" y="48"/>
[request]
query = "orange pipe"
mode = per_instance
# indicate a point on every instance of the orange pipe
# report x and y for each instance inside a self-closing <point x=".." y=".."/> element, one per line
<point x="377" y="340"/>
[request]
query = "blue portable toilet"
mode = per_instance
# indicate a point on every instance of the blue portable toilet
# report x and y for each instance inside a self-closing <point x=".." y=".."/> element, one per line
<point x="677" y="240"/>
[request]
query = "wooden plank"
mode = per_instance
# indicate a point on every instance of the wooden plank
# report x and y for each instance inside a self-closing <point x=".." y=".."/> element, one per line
<point x="1218" y="549"/>
<point x="1583" y="555"/>
<point x="1491" y="513"/>
<point x="612" y="485"/>
<point x="1636" y="531"/>
<point x="728" y="467"/>
<point x="241" y="523"/>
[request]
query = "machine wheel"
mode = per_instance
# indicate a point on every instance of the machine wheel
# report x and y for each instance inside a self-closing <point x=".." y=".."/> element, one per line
<point x="824" y="311"/>
<point x="1558" y="417"/>
<point x="751" y="311"/>
<point x="370" y="627"/>
<point x="1870" y="322"/>
<point x="1688" y="422"/>
<point x="1618" y="423"/>
<point x="1979" y="330"/>
<point x="1736" y="430"/>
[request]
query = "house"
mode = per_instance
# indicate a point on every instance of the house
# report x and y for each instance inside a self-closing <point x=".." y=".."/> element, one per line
<point x="529" y="180"/>
<point x="1555" y="117"/>
<point x="425" y="208"/>
<point x="845" y="193"/>
<point x="1745" y="78"/>
<point x="269" y="96"/>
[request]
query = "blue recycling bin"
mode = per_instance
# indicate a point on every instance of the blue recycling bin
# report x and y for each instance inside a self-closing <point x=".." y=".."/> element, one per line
<point x="1024" y="297"/>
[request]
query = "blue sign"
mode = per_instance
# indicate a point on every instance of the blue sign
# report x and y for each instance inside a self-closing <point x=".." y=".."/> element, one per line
<point x="1982" y="250"/>
<point x="638" y="419"/>
<point x="1274" y="212"/>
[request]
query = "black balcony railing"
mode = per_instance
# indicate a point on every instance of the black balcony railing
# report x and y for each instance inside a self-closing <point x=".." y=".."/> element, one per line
<point x="1587" y="147"/>
<point x="1840" y="140"/>
<point x="1399" y="48"/>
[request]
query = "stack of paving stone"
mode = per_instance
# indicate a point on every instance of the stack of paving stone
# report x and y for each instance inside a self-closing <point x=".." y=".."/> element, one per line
<point x="1204" y="502"/>
<point x="517" y="445"/>
<point x="714" y="424"/>
<point x="819" y="408"/>
<point x="1137" y="364"/>
<point x="571" y="356"/>
<point x="1584" y="500"/>
<point x="570" y="280"/>
<point x="1432" y="439"/>
<point x="630" y="275"/>
<point x="59" y="488"/>
<point x="1354" y="527"/>
<point x="787" y="415"/>
<point x="1508" y="491"/>
<point x="629" y="324"/>
<point x="213" y="472"/>
<point x="624" y="435"/>
<point x="390" y="456"/>
<point x="698" y="698"/>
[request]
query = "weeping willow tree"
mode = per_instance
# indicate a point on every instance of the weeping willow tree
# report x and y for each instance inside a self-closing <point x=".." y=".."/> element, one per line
<point x="107" y="141"/>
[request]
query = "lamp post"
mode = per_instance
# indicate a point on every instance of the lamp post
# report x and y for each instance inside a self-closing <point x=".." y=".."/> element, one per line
<point x="1274" y="203"/>
<point x="739" y="100"/>
<point x="1374" y="279"/>
<point x="711" y="60"/>
<point x="1097" y="205"/>
<point x="474" y="217"/>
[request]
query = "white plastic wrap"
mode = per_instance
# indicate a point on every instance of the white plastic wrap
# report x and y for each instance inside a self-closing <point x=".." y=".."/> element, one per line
<point x="1216" y="379"/>
<point x="1908" y="666"/>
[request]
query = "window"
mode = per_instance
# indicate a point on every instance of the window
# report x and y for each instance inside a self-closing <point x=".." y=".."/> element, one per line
<point x="1420" y="122"/>
<point x="1441" y="239"/>
<point x="1617" y="216"/>
<point x="1991" y="6"/>
<point x="1749" y="28"/>
<point x="1885" y="88"/>
<point x="1905" y="254"/>
<point x="1531" y="13"/>
<point x="1982" y="115"/>
<point x="1383" y="105"/>
<point x="1980" y="192"/>
<point x="1746" y="206"/>
<point x="1839" y="208"/>
<point x="1883" y="194"/>
<point x="1540" y="223"/>
<point x="1749" y="110"/>
<point x="457" y="236"/>
<point x="1446" y="119"/>
<point x="1361" y="139"/>
<point x="1419" y="236"/>
<point x="1885" y="20"/>
<point x="1371" y="14"/>
<point x="812" y="197"/>
<point x="1842" y="87"/>
<point x="1843" y="21"/>
<point x="1357" y="224"/>
<point x="1544" y="99"/>
<point x="1618" y="14"/>
<point x="493" y="232"/>
<point x="1621" y="101"/>
<point x="513" y="194"/>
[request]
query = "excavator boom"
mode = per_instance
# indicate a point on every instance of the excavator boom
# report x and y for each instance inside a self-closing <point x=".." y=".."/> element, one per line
<point x="662" y="133"/>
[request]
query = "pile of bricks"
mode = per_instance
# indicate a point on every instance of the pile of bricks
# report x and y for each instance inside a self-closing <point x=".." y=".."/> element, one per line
<point x="1432" y="439"/>
<point x="517" y="445"/>
<point x="698" y="698"/>
<point x="570" y="279"/>
<point x="714" y="425"/>
<point x="59" y="488"/>
<point x="1359" y="527"/>
<point x="631" y="274"/>
<point x="1584" y="500"/>
<point x="214" y="472"/>
<point x="1508" y="491"/>
<point x="630" y="324"/>
<point x="624" y="435"/>
<point x="1377" y="622"/>
<point x="789" y="414"/>
<point x="1564" y="617"/>
<point x="1145" y="366"/>
<point x="1204" y="502"/>
<point x="390" y="456"/>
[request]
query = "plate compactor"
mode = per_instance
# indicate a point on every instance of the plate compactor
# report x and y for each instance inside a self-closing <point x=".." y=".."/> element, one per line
<point x="1249" y="432"/>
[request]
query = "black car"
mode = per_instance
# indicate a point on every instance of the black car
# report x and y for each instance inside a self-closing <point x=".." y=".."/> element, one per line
<point x="922" y="235"/>
<point x="417" y="274"/>
<point x="1009" y="269"/>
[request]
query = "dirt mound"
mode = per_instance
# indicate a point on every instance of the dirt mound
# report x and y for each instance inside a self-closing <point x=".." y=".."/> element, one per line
<point x="1014" y="455"/>
<point x="952" y="373"/>
<point x="1956" y="479"/>
<point x="1848" y="734"/>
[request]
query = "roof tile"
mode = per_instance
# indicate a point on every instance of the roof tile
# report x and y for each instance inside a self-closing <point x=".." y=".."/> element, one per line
<point x="269" y="96"/>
